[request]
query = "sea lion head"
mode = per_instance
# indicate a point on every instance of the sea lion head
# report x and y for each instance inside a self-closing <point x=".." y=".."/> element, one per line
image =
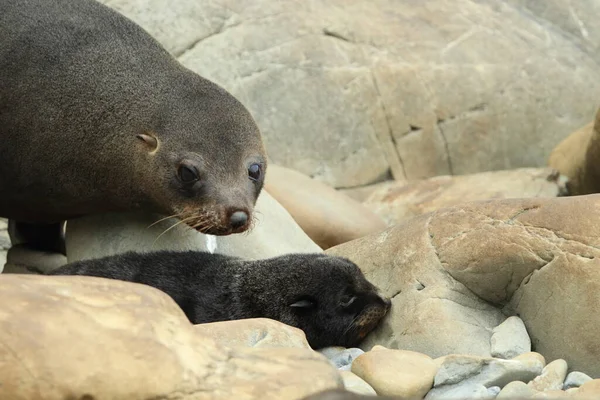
<point x="327" y="297"/>
<point x="204" y="160"/>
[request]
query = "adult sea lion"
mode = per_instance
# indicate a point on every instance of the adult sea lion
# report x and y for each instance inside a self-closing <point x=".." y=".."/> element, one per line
<point x="327" y="297"/>
<point x="96" y="116"/>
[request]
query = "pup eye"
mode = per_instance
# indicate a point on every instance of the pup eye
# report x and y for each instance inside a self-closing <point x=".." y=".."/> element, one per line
<point x="254" y="172"/>
<point x="304" y="303"/>
<point x="188" y="173"/>
<point x="347" y="301"/>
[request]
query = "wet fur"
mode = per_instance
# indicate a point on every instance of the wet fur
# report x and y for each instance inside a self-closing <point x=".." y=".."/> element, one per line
<point x="212" y="287"/>
<point x="80" y="84"/>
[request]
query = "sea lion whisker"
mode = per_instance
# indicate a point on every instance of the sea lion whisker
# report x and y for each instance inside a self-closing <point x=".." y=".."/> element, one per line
<point x="163" y="219"/>
<point x="167" y="230"/>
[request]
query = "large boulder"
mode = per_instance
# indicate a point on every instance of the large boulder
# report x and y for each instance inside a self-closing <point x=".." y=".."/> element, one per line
<point x="454" y="274"/>
<point x="351" y="93"/>
<point x="92" y="338"/>
<point x="397" y="201"/>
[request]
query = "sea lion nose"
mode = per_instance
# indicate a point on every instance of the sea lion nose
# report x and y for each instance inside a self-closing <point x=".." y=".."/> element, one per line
<point x="238" y="219"/>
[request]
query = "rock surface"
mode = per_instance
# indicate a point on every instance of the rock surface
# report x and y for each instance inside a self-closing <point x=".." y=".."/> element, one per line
<point x="254" y="332"/>
<point x="516" y="390"/>
<point x="275" y="232"/>
<point x="131" y="341"/>
<point x="339" y="98"/>
<point x="398" y="201"/>
<point x="575" y="379"/>
<point x="577" y="158"/>
<point x="4" y="242"/>
<point x="354" y="384"/>
<point x="341" y="357"/>
<point x="552" y="377"/>
<point x="327" y="216"/>
<point x="510" y="339"/>
<point x="406" y="374"/>
<point x="450" y="272"/>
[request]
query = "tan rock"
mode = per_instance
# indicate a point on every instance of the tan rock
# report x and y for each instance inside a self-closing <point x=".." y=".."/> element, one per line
<point x="551" y="394"/>
<point x="532" y="357"/>
<point x="340" y="98"/>
<point x="552" y="377"/>
<point x="80" y="337"/>
<point x="589" y="390"/>
<point x="327" y="216"/>
<point x="254" y="332"/>
<point x="274" y="233"/>
<point x="516" y="390"/>
<point x="396" y="372"/>
<point x="354" y="384"/>
<point x="398" y="201"/>
<point x="451" y="271"/>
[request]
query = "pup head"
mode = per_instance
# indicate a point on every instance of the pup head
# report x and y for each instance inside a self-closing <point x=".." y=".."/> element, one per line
<point x="210" y="153"/>
<point x="327" y="297"/>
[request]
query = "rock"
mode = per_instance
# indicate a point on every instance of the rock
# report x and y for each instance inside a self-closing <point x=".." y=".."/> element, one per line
<point x="516" y="390"/>
<point x="340" y="99"/>
<point x="3" y="224"/>
<point x="493" y="391"/>
<point x="274" y="233"/>
<point x="341" y="357"/>
<point x="398" y="201"/>
<point x="510" y="339"/>
<point x="589" y="390"/>
<point x="575" y="379"/>
<point x="354" y="384"/>
<point x="396" y="372"/>
<point x="469" y="391"/>
<point x="337" y="394"/>
<point x="21" y="259"/>
<point x="327" y="216"/>
<point x="254" y="332"/>
<point x="576" y="157"/>
<point x="532" y="357"/>
<point x="551" y="394"/>
<point x="136" y="343"/>
<point x="451" y="272"/>
<point x="552" y="377"/>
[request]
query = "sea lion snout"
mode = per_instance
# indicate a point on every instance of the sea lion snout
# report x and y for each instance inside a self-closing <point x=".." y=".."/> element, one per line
<point x="238" y="219"/>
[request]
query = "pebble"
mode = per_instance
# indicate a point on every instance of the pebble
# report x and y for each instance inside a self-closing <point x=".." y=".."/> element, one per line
<point x="341" y="357"/>
<point x="589" y="390"/>
<point x="494" y="391"/>
<point x="354" y="384"/>
<point x="510" y="339"/>
<point x="403" y="373"/>
<point x="575" y="379"/>
<point x="516" y="390"/>
<point x="552" y="376"/>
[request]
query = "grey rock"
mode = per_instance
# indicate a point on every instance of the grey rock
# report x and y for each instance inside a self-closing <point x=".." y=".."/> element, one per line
<point x="460" y="392"/>
<point x="516" y="390"/>
<point x="340" y="98"/>
<point x="494" y="391"/>
<point x="340" y="357"/>
<point x="3" y="224"/>
<point x="575" y="379"/>
<point x="510" y="339"/>
<point x="21" y="259"/>
<point x="4" y="240"/>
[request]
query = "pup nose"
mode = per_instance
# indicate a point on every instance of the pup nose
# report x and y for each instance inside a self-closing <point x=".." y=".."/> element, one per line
<point x="238" y="219"/>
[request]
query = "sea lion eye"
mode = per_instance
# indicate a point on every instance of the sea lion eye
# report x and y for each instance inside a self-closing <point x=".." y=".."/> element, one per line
<point x="254" y="172"/>
<point x="347" y="301"/>
<point x="188" y="173"/>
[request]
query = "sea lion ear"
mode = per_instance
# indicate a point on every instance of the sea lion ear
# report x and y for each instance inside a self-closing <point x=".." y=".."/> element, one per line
<point x="149" y="140"/>
<point x="304" y="303"/>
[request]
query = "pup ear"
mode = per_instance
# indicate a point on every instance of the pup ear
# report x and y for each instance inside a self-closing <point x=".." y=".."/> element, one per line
<point x="304" y="303"/>
<point x="149" y="140"/>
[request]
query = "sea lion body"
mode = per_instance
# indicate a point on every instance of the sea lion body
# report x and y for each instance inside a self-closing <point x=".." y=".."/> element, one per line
<point x="96" y="116"/>
<point x="327" y="297"/>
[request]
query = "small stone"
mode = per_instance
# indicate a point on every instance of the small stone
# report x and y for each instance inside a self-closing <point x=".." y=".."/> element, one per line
<point x="354" y="384"/>
<point x="575" y="379"/>
<point x="461" y="392"/>
<point x="589" y="390"/>
<point x="532" y="358"/>
<point x="403" y="373"/>
<point x="494" y="390"/>
<point x="551" y="394"/>
<point x="516" y="390"/>
<point x="341" y="357"/>
<point x="552" y="376"/>
<point x="510" y="339"/>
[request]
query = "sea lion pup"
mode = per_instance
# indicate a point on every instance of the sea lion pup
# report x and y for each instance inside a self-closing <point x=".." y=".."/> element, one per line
<point x="96" y="116"/>
<point x="327" y="297"/>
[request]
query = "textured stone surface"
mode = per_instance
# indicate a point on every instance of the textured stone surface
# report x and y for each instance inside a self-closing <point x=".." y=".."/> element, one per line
<point x="552" y="376"/>
<point x="341" y="357"/>
<point x="131" y="341"/>
<point x="459" y="392"/>
<point x="274" y="233"/>
<point x="516" y="390"/>
<point x="340" y="98"/>
<point x="406" y="374"/>
<point x="589" y="390"/>
<point x="327" y="216"/>
<point x="354" y="384"/>
<point x="451" y="271"/>
<point x="575" y="379"/>
<point x="577" y="158"/>
<point x="253" y="332"/>
<point x="510" y="339"/>
<point x="398" y="201"/>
